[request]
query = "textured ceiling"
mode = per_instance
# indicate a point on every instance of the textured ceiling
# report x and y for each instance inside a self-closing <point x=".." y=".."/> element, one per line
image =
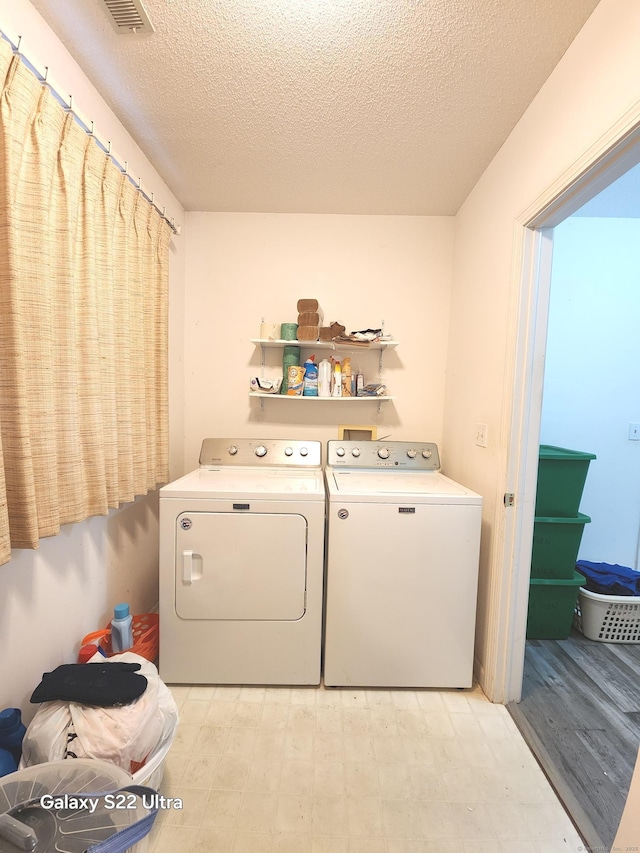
<point x="321" y="106"/>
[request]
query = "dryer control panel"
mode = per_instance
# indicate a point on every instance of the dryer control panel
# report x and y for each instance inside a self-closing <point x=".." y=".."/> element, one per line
<point x="270" y="453"/>
<point x="405" y="455"/>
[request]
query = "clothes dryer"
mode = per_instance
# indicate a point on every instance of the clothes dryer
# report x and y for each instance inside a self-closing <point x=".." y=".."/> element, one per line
<point x="402" y="568"/>
<point x="241" y="565"/>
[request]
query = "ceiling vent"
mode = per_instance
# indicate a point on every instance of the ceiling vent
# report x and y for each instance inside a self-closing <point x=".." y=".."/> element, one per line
<point x="128" y="16"/>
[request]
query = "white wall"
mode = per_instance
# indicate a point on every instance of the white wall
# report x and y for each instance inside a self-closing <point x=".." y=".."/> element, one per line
<point x="594" y="85"/>
<point x="52" y="597"/>
<point x="362" y="269"/>
<point x="592" y="374"/>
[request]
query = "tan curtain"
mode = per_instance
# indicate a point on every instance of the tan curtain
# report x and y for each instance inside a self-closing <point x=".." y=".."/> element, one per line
<point x="83" y="325"/>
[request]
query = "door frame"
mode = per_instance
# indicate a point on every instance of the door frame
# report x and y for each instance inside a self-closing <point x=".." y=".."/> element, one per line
<point x="609" y="158"/>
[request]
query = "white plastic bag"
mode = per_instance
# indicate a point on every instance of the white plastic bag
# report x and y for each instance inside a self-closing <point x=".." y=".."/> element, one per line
<point x="46" y="735"/>
<point x="124" y="735"/>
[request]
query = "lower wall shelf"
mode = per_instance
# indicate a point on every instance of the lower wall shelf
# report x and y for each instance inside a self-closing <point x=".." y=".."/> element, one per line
<point x="301" y="398"/>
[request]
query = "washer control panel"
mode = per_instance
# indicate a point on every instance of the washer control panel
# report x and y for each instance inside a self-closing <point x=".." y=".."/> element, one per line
<point x="407" y="455"/>
<point x="270" y="453"/>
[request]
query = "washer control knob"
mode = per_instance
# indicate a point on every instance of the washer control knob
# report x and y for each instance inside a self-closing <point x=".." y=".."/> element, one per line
<point x="304" y="451"/>
<point x="340" y="451"/>
<point x="426" y="454"/>
<point x="233" y="450"/>
<point x="261" y="450"/>
<point x="411" y="454"/>
<point x="288" y="451"/>
<point x="383" y="453"/>
<point x="355" y="451"/>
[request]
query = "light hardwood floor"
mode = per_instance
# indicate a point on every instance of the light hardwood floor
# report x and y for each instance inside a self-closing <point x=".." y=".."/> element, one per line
<point x="580" y="715"/>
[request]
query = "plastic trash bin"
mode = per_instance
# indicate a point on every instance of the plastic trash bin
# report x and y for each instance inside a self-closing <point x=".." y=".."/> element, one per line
<point x="551" y="606"/>
<point x="561" y="477"/>
<point x="556" y="542"/>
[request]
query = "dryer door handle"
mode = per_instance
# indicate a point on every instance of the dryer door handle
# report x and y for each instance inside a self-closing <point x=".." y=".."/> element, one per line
<point x="187" y="566"/>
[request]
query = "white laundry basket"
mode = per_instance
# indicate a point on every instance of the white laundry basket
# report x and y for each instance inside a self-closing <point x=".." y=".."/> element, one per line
<point x="68" y="827"/>
<point x="152" y="771"/>
<point x="608" y="618"/>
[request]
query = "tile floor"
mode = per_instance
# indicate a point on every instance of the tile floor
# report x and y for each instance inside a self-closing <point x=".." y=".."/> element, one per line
<point x="307" y="770"/>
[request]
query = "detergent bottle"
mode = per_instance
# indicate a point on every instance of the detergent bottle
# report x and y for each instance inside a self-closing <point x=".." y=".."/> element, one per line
<point x="121" y="628"/>
<point x="310" y="385"/>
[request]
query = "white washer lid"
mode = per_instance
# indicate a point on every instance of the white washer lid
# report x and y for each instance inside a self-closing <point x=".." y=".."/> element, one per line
<point x="263" y="483"/>
<point x="417" y="486"/>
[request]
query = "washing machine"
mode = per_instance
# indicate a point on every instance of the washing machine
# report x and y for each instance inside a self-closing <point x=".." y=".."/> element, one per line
<point x="241" y="565"/>
<point x="402" y="568"/>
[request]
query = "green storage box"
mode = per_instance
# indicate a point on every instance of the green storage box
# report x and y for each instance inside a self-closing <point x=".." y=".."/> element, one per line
<point x="556" y="542"/>
<point x="561" y="478"/>
<point x="552" y="604"/>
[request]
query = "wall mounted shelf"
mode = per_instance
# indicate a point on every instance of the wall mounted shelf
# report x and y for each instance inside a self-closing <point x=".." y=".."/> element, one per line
<point x="312" y="346"/>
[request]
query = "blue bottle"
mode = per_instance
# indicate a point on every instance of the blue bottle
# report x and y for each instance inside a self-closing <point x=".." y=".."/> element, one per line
<point x="121" y="629"/>
<point x="310" y="383"/>
<point x="12" y="730"/>
<point x="7" y="763"/>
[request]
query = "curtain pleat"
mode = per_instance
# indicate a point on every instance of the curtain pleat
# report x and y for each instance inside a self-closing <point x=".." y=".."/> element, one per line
<point x="83" y="325"/>
<point x="6" y="57"/>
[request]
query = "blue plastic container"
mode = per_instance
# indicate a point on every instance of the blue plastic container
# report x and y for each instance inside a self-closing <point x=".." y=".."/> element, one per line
<point x="12" y="731"/>
<point x="121" y="628"/>
<point x="7" y="763"/>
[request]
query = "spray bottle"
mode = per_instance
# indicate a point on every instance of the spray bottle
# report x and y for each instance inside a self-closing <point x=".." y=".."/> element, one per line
<point x="346" y="377"/>
<point x="337" y="379"/>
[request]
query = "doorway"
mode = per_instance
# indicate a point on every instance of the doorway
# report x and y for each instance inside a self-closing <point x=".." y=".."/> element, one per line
<point x="592" y="372"/>
<point x="612" y="156"/>
<point x="579" y="710"/>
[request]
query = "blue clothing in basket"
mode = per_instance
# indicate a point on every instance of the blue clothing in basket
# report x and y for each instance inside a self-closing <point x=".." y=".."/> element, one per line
<point x="607" y="579"/>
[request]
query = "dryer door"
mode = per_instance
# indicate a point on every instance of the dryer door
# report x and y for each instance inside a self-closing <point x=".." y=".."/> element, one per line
<point x="241" y="566"/>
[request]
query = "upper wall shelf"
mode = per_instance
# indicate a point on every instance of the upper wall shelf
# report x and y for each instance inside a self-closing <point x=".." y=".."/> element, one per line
<point x="267" y="342"/>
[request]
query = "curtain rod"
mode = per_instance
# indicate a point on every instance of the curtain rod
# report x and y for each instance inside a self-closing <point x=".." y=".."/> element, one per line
<point x="85" y="124"/>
